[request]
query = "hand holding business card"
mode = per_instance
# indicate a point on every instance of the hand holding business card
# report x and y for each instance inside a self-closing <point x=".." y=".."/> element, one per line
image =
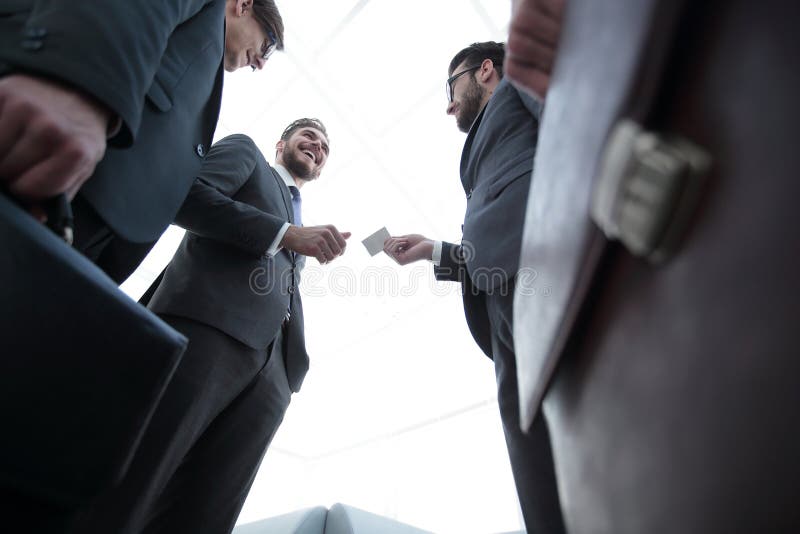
<point x="374" y="243"/>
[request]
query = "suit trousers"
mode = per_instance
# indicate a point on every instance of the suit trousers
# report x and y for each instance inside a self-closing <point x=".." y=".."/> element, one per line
<point x="530" y="453"/>
<point x="200" y="454"/>
<point x="117" y="257"/>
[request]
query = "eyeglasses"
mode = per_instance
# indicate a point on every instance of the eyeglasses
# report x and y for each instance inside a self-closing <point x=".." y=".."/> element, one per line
<point x="453" y="78"/>
<point x="267" y="48"/>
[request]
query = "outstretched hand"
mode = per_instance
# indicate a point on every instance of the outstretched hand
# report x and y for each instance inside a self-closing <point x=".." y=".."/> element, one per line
<point x="532" y="44"/>
<point x="324" y="242"/>
<point x="51" y="138"/>
<point x="408" y="248"/>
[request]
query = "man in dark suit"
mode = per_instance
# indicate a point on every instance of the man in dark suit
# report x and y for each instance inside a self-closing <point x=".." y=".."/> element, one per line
<point x="501" y="125"/>
<point x="231" y="289"/>
<point x="144" y="76"/>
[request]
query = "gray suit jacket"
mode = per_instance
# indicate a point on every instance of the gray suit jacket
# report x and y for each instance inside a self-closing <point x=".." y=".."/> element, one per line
<point x="496" y="166"/>
<point x="157" y="65"/>
<point x="220" y="274"/>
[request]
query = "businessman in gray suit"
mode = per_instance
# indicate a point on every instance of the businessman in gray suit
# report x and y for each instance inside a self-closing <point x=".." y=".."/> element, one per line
<point x="502" y="126"/>
<point x="231" y="289"/>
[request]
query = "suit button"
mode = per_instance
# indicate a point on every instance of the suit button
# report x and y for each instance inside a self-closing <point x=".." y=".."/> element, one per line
<point x="469" y="194"/>
<point x="290" y="289"/>
<point x="34" y="32"/>
<point x="32" y="45"/>
<point x="200" y="149"/>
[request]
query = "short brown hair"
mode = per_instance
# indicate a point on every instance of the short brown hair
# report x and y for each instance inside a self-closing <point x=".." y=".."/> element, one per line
<point x="304" y="123"/>
<point x="267" y="15"/>
<point x="475" y="53"/>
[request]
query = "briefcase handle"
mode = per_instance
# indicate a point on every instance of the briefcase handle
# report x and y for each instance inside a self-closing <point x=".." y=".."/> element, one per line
<point x="58" y="211"/>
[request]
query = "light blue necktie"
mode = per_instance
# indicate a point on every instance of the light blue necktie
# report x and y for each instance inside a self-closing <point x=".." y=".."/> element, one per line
<point x="297" y="203"/>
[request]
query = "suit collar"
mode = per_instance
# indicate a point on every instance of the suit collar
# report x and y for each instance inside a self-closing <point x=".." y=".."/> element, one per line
<point x="283" y="186"/>
<point x="285" y="176"/>
<point x="465" y="153"/>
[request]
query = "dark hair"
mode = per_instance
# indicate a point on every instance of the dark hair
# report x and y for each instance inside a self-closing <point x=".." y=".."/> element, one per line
<point x="267" y="15"/>
<point x="475" y="53"/>
<point x="304" y="123"/>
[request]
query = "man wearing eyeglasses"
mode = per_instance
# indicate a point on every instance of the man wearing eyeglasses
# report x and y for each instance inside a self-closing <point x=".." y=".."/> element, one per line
<point x="502" y="127"/>
<point x="116" y="102"/>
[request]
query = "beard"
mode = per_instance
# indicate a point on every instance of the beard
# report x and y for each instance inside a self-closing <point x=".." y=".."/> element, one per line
<point x="470" y="106"/>
<point x="299" y="166"/>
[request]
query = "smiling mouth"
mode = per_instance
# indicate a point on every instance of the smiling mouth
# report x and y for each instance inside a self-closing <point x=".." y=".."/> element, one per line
<point x="310" y="155"/>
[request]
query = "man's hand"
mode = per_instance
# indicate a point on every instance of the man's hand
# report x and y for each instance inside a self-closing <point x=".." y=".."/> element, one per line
<point x="408" y="248"/>
<point x="532" y="43"/>
<point x="325" y="243"/>
<point x="51" y="137"/>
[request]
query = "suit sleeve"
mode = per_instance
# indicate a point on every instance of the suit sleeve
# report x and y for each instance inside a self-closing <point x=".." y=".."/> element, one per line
<point x="111" y="49"/>
<point x="210" y="211"/>
<point x="452" y="267"/>
<point x="533" y="105"/>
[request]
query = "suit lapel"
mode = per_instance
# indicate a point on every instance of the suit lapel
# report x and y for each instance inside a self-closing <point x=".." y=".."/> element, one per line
<point x="285" y="194"/>
<point x="466" y="153"/>
<point x="287" y="205"/>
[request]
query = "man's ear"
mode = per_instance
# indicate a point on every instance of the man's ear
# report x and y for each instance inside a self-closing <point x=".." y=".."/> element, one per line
<point x="242" y="6"/>
<point x="486" y="70"/>
<point x="279" y="146"/>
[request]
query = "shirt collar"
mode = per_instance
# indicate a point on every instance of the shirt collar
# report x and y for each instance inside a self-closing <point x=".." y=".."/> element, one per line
<point x="284" y="174"/>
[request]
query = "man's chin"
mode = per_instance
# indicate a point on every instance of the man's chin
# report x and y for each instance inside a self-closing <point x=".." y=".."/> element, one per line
<point x="307" y="176"/>
<point x="300" y="171"/>
<point x="462" y="123"/>
<point x="230" y="64"/>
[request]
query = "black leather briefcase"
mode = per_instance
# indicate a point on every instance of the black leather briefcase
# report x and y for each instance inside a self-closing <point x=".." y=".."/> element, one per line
<point x="82" y="367"/>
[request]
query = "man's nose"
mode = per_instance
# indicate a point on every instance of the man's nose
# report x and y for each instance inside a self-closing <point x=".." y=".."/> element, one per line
<point x="257" y="63"/>
<point x="451" y="108"/>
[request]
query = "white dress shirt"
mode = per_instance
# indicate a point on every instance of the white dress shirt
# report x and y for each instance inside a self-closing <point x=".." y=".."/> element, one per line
<point x="436" y="255"/>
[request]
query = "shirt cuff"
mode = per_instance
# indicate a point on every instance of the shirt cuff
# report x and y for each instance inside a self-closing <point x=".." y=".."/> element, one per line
<point x="276" y="244"/>
<point x="436" y="255"/>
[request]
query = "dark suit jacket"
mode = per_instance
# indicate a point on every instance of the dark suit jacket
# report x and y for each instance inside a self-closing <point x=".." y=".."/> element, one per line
<point x="156" y="64"/>
<point x="220" y="274"/>
<point x="496" y="166"/>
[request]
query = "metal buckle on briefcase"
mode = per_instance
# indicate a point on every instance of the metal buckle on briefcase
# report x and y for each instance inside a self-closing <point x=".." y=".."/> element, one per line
<point x="647" y="189"/>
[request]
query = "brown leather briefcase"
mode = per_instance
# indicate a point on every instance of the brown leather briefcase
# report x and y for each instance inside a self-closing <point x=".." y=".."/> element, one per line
<point x="661" y="341"/>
